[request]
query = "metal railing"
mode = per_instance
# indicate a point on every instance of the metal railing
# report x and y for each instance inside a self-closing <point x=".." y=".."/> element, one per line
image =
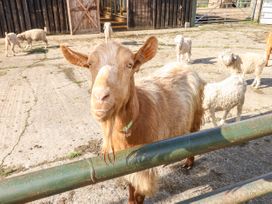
<point x="58" y="179"/>
<point x="236" y="193"/>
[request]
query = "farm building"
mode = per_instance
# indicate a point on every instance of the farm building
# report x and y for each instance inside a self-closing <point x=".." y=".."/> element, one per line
<point x="266" y="12"/>
<point x="85" y="16"/>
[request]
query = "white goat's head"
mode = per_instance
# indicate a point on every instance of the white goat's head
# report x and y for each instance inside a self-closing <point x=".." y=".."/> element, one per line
<point x="179" y="39"/>
<point x="227" y="57"/>
<point x="107" y="25"/>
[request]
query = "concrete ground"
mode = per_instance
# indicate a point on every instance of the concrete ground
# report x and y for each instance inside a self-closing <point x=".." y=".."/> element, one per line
<point x="45" y="115"/>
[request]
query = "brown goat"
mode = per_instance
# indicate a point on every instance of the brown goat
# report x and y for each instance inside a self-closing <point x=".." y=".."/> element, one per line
<point x="162" y="106"/>
<point x="268" y="48"/>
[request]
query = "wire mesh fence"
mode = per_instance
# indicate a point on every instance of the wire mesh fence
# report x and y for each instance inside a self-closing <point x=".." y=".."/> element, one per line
<point x="221" y="11"/>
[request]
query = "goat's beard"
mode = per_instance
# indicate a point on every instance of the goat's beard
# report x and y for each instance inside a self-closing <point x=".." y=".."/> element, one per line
<point x="107" y="146"/>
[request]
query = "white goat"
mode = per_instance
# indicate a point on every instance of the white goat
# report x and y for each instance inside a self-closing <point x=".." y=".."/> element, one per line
<point x="107" y="31"/>
<point x="33" y="35"/>
<point x="11" y="40"/>
<point x="246" y="63"/>
<point x="225" y="95"/>
<point x="183" y="46"/>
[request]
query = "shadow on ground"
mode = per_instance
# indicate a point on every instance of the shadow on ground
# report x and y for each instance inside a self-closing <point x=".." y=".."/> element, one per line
<point x="206" y="60"/>
<point x="265" y="82"/>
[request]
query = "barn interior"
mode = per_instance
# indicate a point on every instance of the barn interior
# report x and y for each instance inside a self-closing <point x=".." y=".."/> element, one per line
<point x="114" y="11"/>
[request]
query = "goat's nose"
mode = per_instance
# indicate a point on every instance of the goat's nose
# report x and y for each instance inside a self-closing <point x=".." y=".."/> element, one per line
<point x="101" y="94"/>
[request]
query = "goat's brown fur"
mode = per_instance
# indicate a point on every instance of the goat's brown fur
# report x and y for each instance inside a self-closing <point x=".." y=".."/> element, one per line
<point x="268" y="48"/>
<point x="162" y="106"/>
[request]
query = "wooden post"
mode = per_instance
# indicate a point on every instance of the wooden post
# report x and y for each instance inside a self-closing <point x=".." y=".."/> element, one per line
<point x="193" y="12"/>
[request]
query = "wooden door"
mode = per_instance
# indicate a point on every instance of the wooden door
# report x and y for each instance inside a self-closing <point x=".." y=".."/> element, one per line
<point x="83" y="16"/>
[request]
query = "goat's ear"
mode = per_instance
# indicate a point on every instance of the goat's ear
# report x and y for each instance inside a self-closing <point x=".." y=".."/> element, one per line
<point x="73" y="57"/>
<point x="146" y="52"/>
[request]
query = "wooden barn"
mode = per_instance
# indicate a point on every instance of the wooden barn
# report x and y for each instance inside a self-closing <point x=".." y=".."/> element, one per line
<point x="87" y="16"/>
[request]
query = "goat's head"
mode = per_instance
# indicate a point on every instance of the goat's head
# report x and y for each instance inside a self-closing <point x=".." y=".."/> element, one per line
<point x="231" y="60"/>
<point x="107" y="25"/>
<point x="112" y="67"/>
<point x="115" y="79"/>
<point x="179" y="39"/>
<point x="227" y="57"/>
<point x="21" y="36"/>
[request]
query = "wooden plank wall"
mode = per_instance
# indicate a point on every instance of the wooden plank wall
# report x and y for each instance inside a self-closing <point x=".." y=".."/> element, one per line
<point x="159" y="13"/>
<point x="140" y="14"/>
<point x="20" y="15"/>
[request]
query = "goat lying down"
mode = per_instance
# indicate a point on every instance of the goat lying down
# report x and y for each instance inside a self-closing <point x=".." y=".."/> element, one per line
<point x="134" y="113"/>
<point x="246" y="63"/>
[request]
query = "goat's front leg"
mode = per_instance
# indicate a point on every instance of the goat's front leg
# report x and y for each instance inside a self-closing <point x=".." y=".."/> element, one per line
<point x="189" y="163"/>
<point x="239" y="112"/>
<point x="177" y="53"/>
<point x="46" y="44"/>
<point x="254" y="82"/>
<point x="12" y="48"/>
<point x="134" y="196"/>
<point x="223" y="120"/>
<point x="212" y="115"/>
<point x="258" y="82"/>
<point x="189" y="54"/>
<point x="6" y="49"/>
<point x="268" y="52"/>
<point x="29" y="44"/>
<point x="131" y="191"/>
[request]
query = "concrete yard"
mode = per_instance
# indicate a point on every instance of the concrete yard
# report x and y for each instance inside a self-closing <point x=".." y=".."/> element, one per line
<point x="45" y="117"/>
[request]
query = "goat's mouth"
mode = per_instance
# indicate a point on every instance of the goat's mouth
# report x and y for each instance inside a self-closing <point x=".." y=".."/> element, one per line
<point x="102" y="114"/>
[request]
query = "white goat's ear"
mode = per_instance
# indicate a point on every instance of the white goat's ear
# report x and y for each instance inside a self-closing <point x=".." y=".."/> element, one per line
<point x="73" y="57"/>
<point x="146" y="52"/>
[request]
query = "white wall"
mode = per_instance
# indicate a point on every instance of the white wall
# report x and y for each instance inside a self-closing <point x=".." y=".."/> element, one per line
<point x="266" y="13"/>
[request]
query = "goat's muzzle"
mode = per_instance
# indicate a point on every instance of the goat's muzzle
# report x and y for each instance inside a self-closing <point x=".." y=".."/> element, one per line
<point x="102" y="103"/>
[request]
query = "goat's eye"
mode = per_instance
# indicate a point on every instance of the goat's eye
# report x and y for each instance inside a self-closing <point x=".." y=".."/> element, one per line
<point x="129" y="66"/>
<point x="90" y="63"/>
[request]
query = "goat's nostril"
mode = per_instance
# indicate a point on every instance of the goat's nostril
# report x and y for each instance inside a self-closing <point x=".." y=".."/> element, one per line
<point x="105" y="97"/>
<point x="101" y="94"/>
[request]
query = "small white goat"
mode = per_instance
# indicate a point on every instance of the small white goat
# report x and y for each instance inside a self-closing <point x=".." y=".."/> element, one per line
<point x="183" y="46"/>
<point x="225" y="95"/>
<point x="107" y="31"/>
<point x="11" y="40"/>
<point x="33" y="35"/>
<point x="246" y="63"/>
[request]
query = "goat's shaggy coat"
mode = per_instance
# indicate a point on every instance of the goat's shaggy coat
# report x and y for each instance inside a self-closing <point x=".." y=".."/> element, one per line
<point x="11" y="40"/>
<point x="162" y="106"/>
<point x="33" y="35"/>
<point x="225" y="95"/>
<point x="246" y="63"/>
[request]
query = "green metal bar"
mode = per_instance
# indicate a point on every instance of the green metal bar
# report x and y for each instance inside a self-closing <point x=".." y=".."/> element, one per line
<point x="237" y="193"/>
<point x="58" y="179"/>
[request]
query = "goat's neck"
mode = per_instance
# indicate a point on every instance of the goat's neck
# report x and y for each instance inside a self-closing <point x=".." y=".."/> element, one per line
<point x="128" y="114"/>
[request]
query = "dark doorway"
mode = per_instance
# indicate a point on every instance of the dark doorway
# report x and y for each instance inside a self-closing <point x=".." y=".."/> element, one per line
<point x="114" y="11"/>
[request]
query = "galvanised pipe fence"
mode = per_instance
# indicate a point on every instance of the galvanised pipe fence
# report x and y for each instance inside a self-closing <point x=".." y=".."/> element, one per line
<point x="66" y="177"/>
